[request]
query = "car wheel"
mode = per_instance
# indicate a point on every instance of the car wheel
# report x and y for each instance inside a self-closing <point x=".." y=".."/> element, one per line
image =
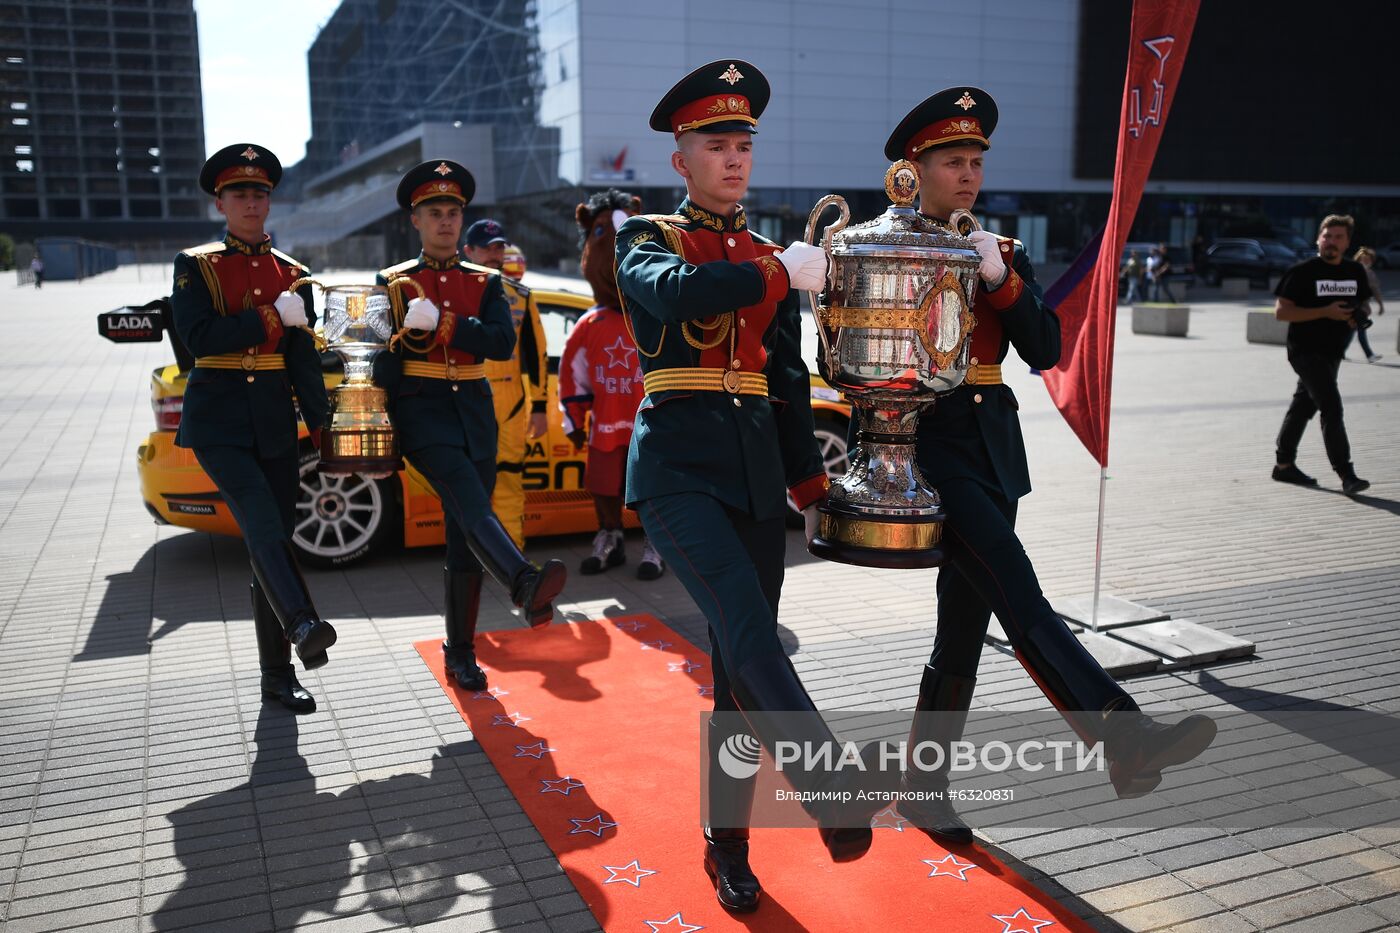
<point x="341" y="519"/>
<point x="831" y="440"/>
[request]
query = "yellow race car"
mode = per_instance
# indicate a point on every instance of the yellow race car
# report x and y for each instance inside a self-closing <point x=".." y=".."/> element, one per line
<point x="341" y="519"/>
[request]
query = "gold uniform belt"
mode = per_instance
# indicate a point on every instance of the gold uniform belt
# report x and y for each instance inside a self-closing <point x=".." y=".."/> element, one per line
<point x="705" y="380"/>
<point x="248" y="362"/>
<point x="449" y="371"/>
<point x="983" y="374"/>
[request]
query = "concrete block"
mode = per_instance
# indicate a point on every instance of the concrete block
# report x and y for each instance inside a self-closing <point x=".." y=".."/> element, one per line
<point x="1262" y="327"/>
<point x="1119" y="658"/>
<point x="1113" y="611"/>
<point x="1162" y="320"/>
<point x="1184" y="643"/>
<point x="1234" y="289"/>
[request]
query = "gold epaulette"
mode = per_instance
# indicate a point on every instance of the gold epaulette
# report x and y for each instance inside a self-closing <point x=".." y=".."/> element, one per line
<point x="664" y="223"/>
<point x="290" y="261"/>
<point x="404" y="268"/>
<point x="205" y="249"/>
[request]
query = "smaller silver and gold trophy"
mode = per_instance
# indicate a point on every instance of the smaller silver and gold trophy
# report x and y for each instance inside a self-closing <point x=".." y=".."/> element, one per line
<point x="357" y="322"/>
<point x="894" y="329"/>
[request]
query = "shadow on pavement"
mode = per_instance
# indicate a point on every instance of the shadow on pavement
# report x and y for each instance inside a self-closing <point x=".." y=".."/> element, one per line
<point x="273" y="851"/>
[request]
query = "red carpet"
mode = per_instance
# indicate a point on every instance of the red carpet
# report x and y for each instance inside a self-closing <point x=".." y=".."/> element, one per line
<point x="595" y="728"/>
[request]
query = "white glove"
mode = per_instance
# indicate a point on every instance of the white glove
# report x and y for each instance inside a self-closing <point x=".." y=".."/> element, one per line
<point x="806" y="266"/>
<point x="291" y="309"/>
<point x="811" y="521"/>
<point x="422" y="315"/>
<point x="993" y="267"/>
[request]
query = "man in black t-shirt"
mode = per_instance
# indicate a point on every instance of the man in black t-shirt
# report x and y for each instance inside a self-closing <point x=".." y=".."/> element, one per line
<point x="1318" y="299"/>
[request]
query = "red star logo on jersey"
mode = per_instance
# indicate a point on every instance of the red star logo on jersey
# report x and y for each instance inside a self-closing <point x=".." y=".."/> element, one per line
<point x="620" y="355"/>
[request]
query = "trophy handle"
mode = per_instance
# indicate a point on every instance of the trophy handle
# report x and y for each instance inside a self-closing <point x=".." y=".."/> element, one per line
<point x="316" y="338"/>
<point x="394" y="285"/>
<point x="959" y="216"/>
<point x="839" y="225"/>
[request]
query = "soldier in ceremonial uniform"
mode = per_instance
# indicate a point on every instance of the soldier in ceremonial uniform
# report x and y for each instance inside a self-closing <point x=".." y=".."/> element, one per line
<point x="970" y="447"/>
<point x="253" y="352"/>
<point x="725" y="430"/>
<point x="519" y="387"/>
<point x="440" y="402"/>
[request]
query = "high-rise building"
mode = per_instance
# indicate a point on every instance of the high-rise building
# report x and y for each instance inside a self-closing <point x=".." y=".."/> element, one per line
<point x="103" y="132"/>
<point x="380" y="67"/>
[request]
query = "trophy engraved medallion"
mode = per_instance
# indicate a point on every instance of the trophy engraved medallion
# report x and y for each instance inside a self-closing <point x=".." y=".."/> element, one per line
<point x="357" y="322"/>
<point x="893" y="325"/>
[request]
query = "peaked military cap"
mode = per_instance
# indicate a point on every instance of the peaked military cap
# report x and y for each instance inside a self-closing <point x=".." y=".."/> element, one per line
<point x="436" y="178"/>
<point x="240" y="164"/>
<point x="959" y="116"/>
<point x="726" y="96"/>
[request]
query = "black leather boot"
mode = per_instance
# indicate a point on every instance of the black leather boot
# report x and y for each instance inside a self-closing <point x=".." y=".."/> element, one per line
<point x="1136" y="746"/>
<point x="459" y="650"/>
<point x="727" y="831"/>
<point x="279" y="679"/>
<point x="778" y="709"/>
<point x="939" y="718"/>
<point x="276" y="570"/>
<point x="532" y="589"/>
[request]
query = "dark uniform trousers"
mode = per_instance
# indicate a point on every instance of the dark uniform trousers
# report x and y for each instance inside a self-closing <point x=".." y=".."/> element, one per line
<point x="464" y="486"/>
<point x="731" y="564"/>
<point x="261" y="491"/>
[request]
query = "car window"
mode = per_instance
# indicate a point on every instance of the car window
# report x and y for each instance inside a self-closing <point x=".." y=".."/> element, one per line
<point x="1279" y="250"/>
<point x="1227" y="251"/>
<point x="558" y="322"/>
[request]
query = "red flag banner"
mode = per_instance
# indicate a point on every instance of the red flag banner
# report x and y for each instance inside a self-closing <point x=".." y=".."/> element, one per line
<point x="1086" y="297"/>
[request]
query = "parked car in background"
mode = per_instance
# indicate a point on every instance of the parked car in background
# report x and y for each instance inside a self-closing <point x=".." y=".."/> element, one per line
<point x="1302" y="247"/>
<point x="1242" y="258"/>
<point x="1388" y="256"/>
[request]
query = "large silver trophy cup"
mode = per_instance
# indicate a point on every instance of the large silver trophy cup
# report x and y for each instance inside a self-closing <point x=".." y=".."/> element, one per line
<point x="894" y="326"/>
<point x="358" y="321"/>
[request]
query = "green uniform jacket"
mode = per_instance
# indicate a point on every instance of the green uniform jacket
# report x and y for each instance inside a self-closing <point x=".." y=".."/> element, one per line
<point x="697" y="273"/>
<point x="428" y="412"/>
<point x="221" y="304"/>
<point x="975" y="431"/>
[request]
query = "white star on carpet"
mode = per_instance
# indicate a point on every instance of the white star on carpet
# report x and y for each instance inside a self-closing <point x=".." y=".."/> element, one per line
<point x="538" y="750"/>
<point x="672" y="924"/>
<point x="1021" y="922"/>
<point x="564" y="785"/>
<point x="595" y="824"/>
<point x="888" y="819"/>
<point x="634" y="873"/>
<point x="508" y="719"/>
<point x="630" y="625"/>
<point x="655" y="645"/>
<point x="684" y="667"/>
<point x="490" y="694"/>
<point x="948" y="867"/>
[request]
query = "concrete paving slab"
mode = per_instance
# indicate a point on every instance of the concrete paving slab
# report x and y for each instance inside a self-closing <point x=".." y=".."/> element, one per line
<point x="1118" y="657"/>
<point x="1183" y="643"/>
<point x="1113" y="611"/>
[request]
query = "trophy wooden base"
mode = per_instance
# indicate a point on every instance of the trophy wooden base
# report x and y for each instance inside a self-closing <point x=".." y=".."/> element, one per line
<point x="879" y="540"/>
